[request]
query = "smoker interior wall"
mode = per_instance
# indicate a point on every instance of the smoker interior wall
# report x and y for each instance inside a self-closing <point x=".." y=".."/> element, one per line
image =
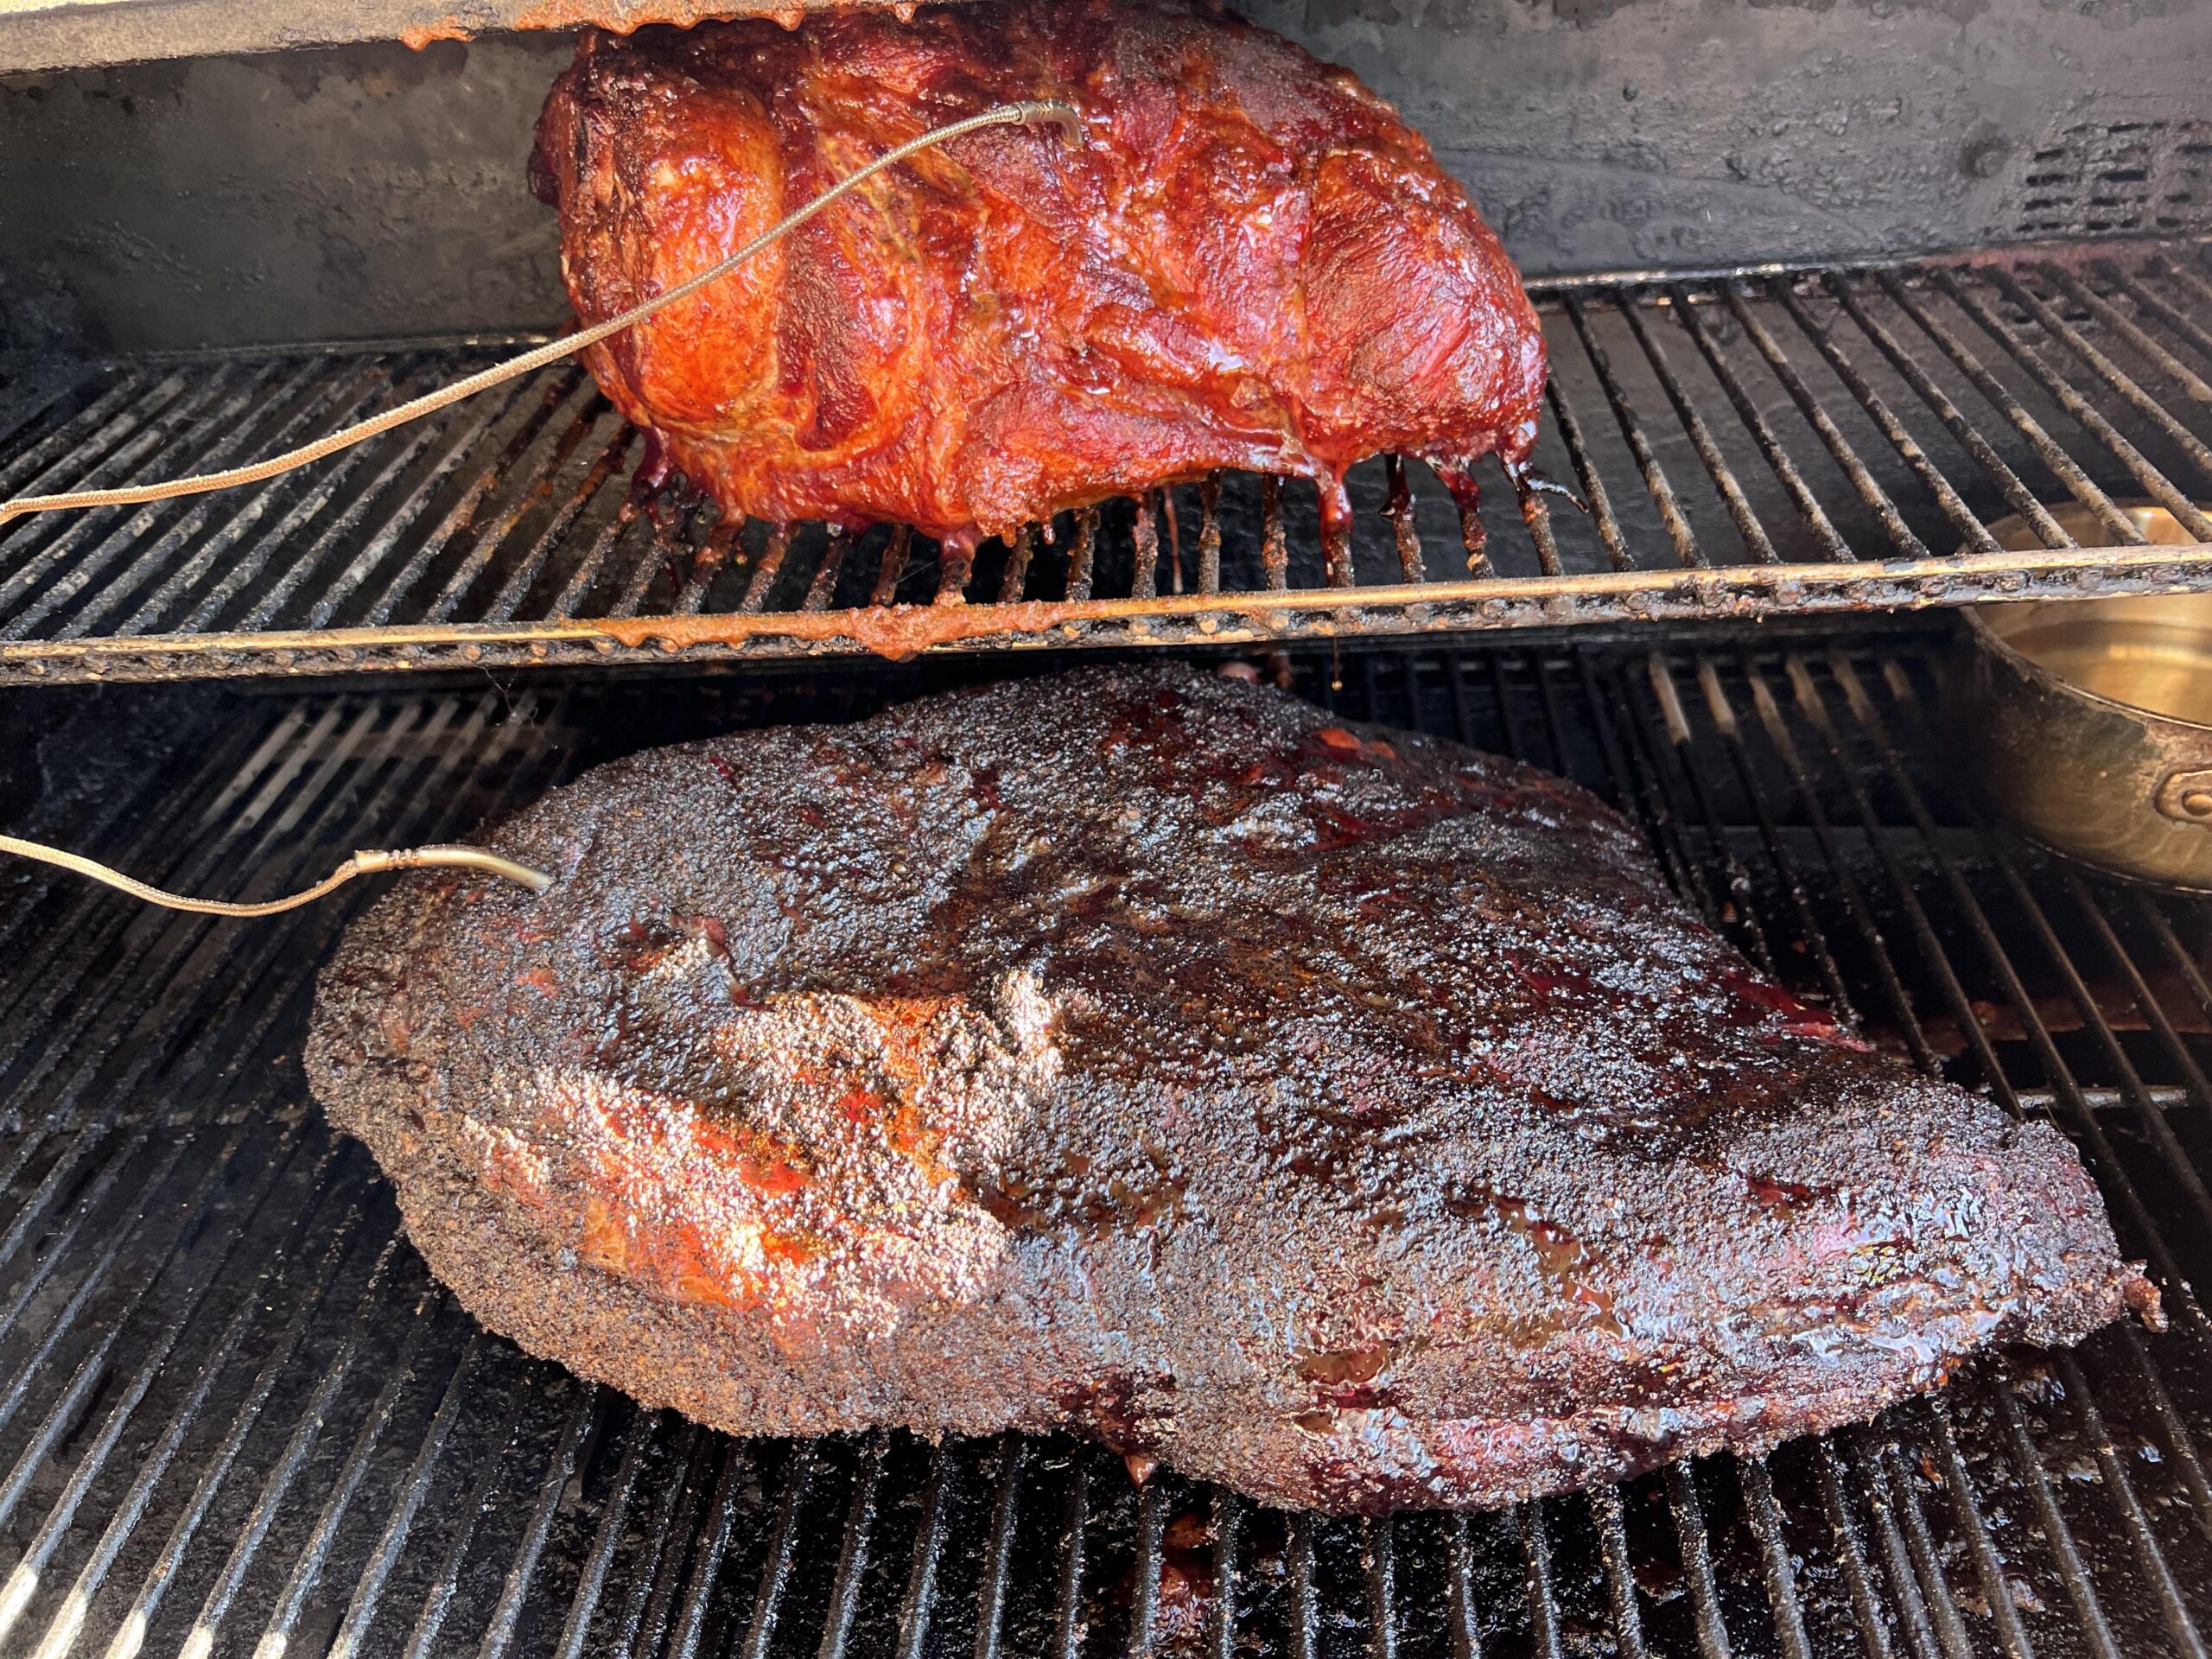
<point x="326" y="193"/>
<point x="373" y="190"/>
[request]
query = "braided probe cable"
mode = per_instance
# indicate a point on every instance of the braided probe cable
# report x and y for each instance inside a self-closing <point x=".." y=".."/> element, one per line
<point x="368" y="863"/>
<point x="1063" y="116"/>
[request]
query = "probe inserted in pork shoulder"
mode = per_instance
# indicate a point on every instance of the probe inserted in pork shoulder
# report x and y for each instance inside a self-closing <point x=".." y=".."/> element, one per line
<point x="1343" y="1115"/>
<point x="1246" y="261"/>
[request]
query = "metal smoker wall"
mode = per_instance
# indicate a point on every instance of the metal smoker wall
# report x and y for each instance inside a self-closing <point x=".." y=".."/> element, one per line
<point x="372" y="190"/>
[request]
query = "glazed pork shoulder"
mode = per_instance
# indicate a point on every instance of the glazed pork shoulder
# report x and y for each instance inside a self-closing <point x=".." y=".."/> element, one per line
<point x="1247" y="260"/>
<point x="1346" y="1116"/>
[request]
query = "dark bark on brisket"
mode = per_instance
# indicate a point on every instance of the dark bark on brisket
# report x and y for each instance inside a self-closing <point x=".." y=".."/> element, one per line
<point x="1341" y="1114"/>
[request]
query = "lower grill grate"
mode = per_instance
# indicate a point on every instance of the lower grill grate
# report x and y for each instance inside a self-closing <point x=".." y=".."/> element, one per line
<point x="1746" y="443"/>
<point x="237" y="1417"/>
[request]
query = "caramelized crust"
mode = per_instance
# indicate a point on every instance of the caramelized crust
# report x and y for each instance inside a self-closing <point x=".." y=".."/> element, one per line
<point x="1343" y="1115"/>
<point x="1248" y="262"/>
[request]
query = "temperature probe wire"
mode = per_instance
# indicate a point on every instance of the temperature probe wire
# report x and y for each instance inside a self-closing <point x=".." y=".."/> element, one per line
<point x="412" y="858"/>
<point x="1063" y="116"/>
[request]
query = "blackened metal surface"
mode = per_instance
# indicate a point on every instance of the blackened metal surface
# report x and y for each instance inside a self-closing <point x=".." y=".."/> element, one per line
<point x="1747" y="445"/>
<point x="232" y="1409"/>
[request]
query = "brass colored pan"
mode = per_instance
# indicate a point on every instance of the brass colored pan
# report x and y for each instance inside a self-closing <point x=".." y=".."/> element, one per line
<point x="2088" y="723"/>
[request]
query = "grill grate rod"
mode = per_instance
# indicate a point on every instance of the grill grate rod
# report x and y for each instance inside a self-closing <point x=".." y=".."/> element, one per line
<point x="2057" y="1534"/>
<point x="586" y="1415"/>
<point x="1005" y="1513"/>
<point x="1692" y="1536"/>
<point x="920" y="1600"/>
<point x="2084" y="414"/>
<point x="438" y="1598"/>
<point x="1069" y="1627"/>
<point x="668" y="1564"/>
<point x="591" y="1583"/>
<point x="722" y="1519"/>
<point x="1988" y="1568"/>
<point x="2046" y="449"/>
<point x="1543" y="1596"/>
<point x="853" y="1552"/>
<point x="1765" y="1512"/>
<point x="1620" y="1573"/>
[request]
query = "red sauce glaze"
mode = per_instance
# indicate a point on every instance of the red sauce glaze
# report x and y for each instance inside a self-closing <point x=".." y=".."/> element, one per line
<point x="1250" y="261"/>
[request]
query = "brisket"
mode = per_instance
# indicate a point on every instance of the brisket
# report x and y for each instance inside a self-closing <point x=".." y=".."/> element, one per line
<point x="1343" y="1115"/>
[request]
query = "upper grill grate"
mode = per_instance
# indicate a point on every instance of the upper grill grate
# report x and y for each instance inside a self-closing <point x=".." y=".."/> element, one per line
<point x="1747" y="443"/>
<point x="236" y="1416"/>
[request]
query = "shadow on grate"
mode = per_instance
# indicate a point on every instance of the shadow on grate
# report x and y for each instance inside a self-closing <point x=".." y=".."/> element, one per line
<point x="236" y="1415"/>
<point x="1746" y="443"/>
